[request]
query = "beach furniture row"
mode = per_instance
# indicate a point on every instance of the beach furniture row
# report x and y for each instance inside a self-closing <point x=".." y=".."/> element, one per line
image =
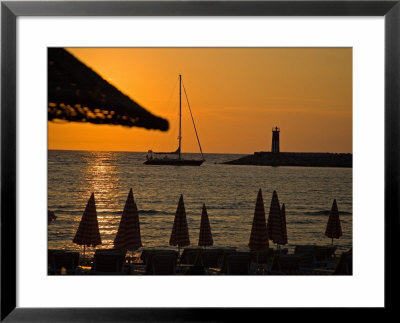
<point x="200" y="261"/>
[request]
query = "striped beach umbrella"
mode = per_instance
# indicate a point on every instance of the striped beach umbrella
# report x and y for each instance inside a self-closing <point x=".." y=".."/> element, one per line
<point x="128" y="235"/>
<point x="259" y="235"/>
<point x="274" y="224"/>
<point x="205" y="236"/>
<point x="284" y="230"/>
<point x="180" y="232"/>
<point x="88" y="233"/>
<point x="334" y="228"/>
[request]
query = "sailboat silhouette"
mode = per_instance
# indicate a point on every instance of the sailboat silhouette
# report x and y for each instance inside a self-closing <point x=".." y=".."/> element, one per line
<point x="154" y="158"/>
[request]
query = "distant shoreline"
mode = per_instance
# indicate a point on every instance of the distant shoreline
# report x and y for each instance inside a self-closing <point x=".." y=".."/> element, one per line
<point x="295" y="159"/>
<point x="186" y="152"/>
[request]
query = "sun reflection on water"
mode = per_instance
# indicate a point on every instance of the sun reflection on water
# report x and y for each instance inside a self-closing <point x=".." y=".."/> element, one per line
<point x="100" y="175"/>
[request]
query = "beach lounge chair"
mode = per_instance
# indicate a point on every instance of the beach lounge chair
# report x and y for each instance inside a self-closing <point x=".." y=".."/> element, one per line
<point x="324" y="253"/>
<point x="163" y="264"/>
<point x="114" y="251"/>
<point x="343" y="267"/>
<point x="147" y="253"/>
<point x="262" y="256"/>
<point x="151" y="253"/>
<point x="108" y="263"/>
<point x="50" y="258"/>
<point x="307" y="261"/>
<point x="222" y="264"/>
<point x="285" y="265"/>
<point x="281" y="251"/>
<point x="143" y="256"/>
<point x="345" y="264"/>
<point x="304" y="249"/>
<point x="190" y="256"/>
<point x="307" y="254"/>
<point x="238" y="264"/>
<point x="58" y="259"/>
<point x="211" y="258"/>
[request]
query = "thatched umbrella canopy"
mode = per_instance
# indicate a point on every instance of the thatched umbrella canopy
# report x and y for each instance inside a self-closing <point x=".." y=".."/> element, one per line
<point x="77" y="93"/>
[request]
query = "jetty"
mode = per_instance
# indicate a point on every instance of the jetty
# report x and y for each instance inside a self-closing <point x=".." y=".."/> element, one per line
<point x="295" y="159"/>
<point x="277" y="158"/>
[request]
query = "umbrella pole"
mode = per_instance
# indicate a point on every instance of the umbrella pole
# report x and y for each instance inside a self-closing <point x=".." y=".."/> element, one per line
<point x="332" y="241"/>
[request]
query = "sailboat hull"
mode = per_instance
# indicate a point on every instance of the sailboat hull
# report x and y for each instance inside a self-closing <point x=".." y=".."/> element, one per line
<point x="174" y="162"/>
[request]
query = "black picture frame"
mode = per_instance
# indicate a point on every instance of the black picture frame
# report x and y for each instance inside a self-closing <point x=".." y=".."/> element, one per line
<point x="11" y="10"/>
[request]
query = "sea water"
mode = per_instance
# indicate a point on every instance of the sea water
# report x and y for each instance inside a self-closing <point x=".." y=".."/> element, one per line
<point x="228" y="191"/>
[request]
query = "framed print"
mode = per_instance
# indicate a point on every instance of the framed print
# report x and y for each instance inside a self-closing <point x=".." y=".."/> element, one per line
<point x="288" y="111"/>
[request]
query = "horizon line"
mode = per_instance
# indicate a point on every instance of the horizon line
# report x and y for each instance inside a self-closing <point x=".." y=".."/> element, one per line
<point x="214" y="153"/>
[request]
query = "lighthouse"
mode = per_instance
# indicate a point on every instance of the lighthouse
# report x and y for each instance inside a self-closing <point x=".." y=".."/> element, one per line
<point x="275" y="140"/>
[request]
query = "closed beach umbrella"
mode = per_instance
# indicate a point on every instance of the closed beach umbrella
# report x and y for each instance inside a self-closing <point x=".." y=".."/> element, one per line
<point x="88" y="233"/>
<point x="50" y="217"/>
<point x="205" y="236"/>
<point x="334" y="228"/>
<point x="284" y="233"/>
<point x="77" y="93"/>
<point x="259" y="235"/>
<point x="274" y="224"/>
<point x="180" y="232"/>
<point x="128" y="235"/>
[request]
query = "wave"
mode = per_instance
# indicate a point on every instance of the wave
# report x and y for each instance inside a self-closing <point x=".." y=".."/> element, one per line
<point x="107" y="212"/>
<point x="141" y="212"/>
<point x="327" y="212"/>
<point x="151" y="212"/>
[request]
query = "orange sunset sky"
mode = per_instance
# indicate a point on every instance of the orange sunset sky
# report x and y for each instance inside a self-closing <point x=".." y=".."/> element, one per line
<point x="236" y="94"/>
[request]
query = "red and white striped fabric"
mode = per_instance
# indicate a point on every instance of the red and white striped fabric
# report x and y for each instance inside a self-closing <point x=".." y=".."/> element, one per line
<point x="284" y="230"/>
<point x="259" y="235"/>
<point x="88" y="233"/>
<point x="334" y="228"/>
<point x="205" y="236"/>
<point x="180" y="232"/>
<point x="274" y="225"/>
<point x="128" y="235"/>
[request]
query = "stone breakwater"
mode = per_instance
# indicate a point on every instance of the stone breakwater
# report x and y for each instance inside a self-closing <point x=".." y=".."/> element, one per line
<point x="295" y="159"/>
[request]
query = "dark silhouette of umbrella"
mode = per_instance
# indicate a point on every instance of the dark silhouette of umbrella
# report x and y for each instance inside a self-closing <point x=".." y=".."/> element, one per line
<point x="333" y="227"/>
<point x="88" y="233"/>
<point x="50" y="217"/>
<point x="275" y="223"/>
<point x="205" y="236"/>
<point x="128" y="235"/>
<point x="284" y="229"/>
<point x="259" y="234"/>
<point x="180" y="232"/>
<point x="77" y="93"/>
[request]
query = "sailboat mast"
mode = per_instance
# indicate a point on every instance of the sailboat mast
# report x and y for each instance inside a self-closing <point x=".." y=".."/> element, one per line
<point x="180" y="115"/>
